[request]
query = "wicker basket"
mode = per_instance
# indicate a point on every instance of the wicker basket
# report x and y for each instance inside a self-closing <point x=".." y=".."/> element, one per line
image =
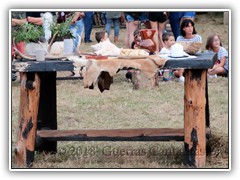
<point x="191" y="47"/>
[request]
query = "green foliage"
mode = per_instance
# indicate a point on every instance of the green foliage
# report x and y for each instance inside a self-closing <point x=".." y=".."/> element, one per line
<point x="62" y="29"/>
<point x="28" y="33"/>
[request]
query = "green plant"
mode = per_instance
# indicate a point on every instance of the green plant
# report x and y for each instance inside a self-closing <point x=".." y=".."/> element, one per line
<point x="62" y="29"/>
<point x="28" y="33"/>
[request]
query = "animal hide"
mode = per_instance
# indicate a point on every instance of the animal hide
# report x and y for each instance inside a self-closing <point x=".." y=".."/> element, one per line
<point x="92" y="70"/>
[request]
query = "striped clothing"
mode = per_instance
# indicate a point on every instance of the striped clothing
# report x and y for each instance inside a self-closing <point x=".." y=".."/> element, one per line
<point x="222" y="53"/>
<point x="196" y="38"/>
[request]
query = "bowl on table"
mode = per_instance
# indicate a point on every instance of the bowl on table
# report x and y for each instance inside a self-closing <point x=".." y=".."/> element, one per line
<point x="191" y="48"/>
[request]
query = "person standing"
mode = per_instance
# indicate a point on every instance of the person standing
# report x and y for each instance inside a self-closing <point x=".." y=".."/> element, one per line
<point x="157" y="21"/>
<point x="133" y="22"/>
<point x="113" y="17"/>
<point x="76" y="25"/>
<point x="88" y="25"/>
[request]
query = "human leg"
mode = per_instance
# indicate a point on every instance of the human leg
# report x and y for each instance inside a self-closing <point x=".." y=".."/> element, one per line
<point x="154" y="25"/>
<point x="220" y="71"/>
<point x="116" y="25"/>
<point x="179" y="74"/>
<point x="88" y="24"/>
<point x="131" y="27"/>
<point x="161" y="27"/>
<point x="77" y="29"/>
<point x="174" y="19"/>
<point x="108" y="26"/>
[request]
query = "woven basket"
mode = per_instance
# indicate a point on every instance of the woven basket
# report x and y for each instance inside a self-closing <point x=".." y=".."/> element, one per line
<point x="191" y="47"/>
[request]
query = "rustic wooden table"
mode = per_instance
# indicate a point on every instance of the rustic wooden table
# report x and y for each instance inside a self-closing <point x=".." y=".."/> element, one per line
<point x="38" y="112"/>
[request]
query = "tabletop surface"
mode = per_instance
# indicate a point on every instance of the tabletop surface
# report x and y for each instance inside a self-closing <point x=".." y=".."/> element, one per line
<point x="201" y="61"/>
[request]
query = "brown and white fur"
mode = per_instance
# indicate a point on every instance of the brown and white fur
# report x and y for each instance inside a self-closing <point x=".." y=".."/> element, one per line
<point x="92" y="69"/>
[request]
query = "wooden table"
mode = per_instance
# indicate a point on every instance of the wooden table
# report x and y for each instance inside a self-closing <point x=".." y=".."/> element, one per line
<point x="37" y="124"/>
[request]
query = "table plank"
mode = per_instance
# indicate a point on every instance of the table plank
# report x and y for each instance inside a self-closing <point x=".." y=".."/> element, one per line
<point x="202" y="61"/>
<point x="42" y="66"/>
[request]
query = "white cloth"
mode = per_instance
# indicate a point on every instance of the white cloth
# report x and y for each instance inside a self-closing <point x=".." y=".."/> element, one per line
<point x="165" y="51"/>
<point x="106" y="48"/>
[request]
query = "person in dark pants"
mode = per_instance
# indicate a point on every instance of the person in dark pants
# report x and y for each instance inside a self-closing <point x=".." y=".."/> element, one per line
<point x="175" y="19"/>
<point x="88" y="25"/>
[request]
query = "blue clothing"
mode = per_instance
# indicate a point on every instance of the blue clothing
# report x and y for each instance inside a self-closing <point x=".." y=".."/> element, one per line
<point x="77" y="28"/>
<point x="175" y="18"/>
<point x="113" y="18"/>
<point x="129" y="18"/>
<point x="88" y="25"/>
<point x="136" y="16"/>
<point x="189" y="14"/>
<point x="116" y="26"/>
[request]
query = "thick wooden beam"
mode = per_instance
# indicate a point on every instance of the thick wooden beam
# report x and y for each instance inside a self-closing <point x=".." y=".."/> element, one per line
<point x="27" y="123"/>
<point x="194" y="117"/>
<point x="47" y="112"/>
<point x="42" y="66"/>
<point x="69" y="78"/>
<point x="147" y="134"/>
<point x="201" y="61"/>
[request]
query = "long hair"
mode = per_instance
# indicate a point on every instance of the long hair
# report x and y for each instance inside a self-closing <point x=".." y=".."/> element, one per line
<point x="186" y="23"/>
<point x="210" y="40"/>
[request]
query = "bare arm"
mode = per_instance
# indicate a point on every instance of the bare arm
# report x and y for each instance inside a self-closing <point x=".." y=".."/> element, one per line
<point x="35" y="20"/>
<point x="76" y="16"/>
<point x="221" y="64"/>
<point x="16" y="22"/>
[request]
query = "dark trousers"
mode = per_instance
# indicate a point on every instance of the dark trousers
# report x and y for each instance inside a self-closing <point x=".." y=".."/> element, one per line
<point x="88" y="25"/>
<point x="174" y="19"/>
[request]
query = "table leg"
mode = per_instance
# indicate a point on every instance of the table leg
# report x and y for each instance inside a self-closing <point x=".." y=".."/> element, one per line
<point x="27" y="123"/>
<point x="195" y="117"/>
<point x="47" y="113"/>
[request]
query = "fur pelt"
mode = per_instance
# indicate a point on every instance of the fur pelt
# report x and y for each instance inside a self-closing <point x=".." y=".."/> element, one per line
<point x="92" y="69"/>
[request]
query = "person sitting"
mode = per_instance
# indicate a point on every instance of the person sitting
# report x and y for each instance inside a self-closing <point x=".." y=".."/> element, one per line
<point x="137" y="39"/>
<point x="168" y="41"/>
<point x="104" y="46"/>
<point x="188" y="33"/>
<point x="101" y="36"/>
<point x="221" y="65"/>
<point x="176" y="18"/>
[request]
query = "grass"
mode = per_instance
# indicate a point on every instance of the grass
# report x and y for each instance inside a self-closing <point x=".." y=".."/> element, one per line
<point x="123" y="107"/>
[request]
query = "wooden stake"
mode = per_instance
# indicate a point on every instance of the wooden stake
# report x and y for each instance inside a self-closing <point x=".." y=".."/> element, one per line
<point x="27" y="123"/>
<point x="194" y="118"/>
